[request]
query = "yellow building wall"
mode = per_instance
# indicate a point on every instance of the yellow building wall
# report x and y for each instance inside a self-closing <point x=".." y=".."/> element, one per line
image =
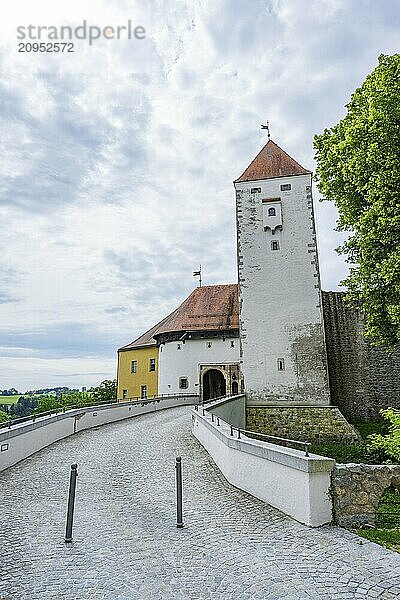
<point x="132" y="382"/>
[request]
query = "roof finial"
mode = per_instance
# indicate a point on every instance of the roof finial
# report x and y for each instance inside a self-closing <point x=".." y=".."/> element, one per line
<point x="267" y="128"/>
<point x="198" y="274"/>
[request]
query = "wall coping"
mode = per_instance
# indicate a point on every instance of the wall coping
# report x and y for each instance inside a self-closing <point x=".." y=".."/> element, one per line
<point x="290" y="457"/>
<point x="27" y="426"/>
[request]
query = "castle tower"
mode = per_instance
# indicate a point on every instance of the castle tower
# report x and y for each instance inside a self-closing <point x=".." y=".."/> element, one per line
<point x="283" y="350"/>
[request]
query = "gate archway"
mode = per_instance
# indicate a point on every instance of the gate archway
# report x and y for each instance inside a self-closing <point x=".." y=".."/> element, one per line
<point x="214" y="384"/>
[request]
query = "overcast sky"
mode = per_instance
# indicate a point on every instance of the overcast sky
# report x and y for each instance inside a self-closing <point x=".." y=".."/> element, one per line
<point x="118" y="159"/>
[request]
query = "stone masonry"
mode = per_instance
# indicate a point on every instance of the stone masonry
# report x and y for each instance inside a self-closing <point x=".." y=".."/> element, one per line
<point x="363" y="378"/>
<point x="357" y="489"/>
<point x="313" y="423"/>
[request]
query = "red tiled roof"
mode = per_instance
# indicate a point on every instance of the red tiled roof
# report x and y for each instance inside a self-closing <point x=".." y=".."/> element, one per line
<point x="208" y="308"/>
<point x="272" y="162"/>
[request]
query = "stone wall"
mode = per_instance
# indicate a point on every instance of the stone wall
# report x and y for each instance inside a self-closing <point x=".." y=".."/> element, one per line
<point x="314" y="424"/>
<point x="357" y="489"/>
<point x="363" y="378"/>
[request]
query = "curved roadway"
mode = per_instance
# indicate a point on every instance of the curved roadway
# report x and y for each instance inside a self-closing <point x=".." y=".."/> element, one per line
<point x="126" y="545"/>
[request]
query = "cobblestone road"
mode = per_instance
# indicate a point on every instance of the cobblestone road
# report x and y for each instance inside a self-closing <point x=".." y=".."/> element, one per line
<point x="127" y="546"/>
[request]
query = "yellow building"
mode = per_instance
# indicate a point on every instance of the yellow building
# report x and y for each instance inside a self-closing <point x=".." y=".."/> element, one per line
<point x="137" y="372"/>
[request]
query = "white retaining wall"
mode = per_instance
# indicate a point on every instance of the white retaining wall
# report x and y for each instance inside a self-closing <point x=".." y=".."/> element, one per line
<point x="284" y="478"/>
<point x="25" y="439"/>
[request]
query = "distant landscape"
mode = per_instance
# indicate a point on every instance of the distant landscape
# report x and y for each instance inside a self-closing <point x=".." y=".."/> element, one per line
<point x="15" y="404"/>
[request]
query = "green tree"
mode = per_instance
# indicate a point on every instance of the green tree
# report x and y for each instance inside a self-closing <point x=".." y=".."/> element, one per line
<point x="106" y="392"/>
<point x="46" y="403"/>
<point x="390" y="443"/>
<point x="3" y="416"/>
<point x="359" y="170"/>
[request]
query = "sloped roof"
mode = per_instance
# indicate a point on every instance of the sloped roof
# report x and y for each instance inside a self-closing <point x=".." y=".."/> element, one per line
<point x="272" y="162"/>
<point x="208" y="308"/>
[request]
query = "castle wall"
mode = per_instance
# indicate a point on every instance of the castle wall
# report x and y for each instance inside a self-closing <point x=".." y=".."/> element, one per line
<point x="279" y="292"/>
<point x="363" y="378"/>
<point x="179" y="359"/>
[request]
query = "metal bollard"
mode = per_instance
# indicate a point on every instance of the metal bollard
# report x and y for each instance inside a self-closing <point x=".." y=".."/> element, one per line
<point x="231" y="430"/>
<point x="71" y="503"/>
<point x="178" y="468"/>
<point x="218" y="421"/>
<point x="238" y="434"/>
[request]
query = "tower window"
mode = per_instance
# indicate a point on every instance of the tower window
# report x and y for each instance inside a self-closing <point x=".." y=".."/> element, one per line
<point x="281" y="364"/>
<point x="143" y="391"/>
<point x="124" y="393"/>
<point x="285" y="187"/>
<point x="152" y="366"/>
<point x="183" y="383"/>
<point x="272" y="212"/>
<point x="133" y="366"/>
<point x="274" y="245"/>
<point x="255" y="191"/>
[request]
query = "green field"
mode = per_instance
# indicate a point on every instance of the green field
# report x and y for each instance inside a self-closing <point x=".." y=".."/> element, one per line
<point x="13" y="399"/>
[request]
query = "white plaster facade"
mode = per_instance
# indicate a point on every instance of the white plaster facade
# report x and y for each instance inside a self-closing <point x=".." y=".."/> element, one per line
<point x="183" y="359"/>
<point x="281" y="327"/>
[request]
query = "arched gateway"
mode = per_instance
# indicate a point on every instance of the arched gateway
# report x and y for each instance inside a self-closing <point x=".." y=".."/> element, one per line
<point x="214" y="384"/>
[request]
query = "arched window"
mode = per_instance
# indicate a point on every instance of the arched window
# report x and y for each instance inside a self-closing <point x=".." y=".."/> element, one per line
<point x="271" y="212"/>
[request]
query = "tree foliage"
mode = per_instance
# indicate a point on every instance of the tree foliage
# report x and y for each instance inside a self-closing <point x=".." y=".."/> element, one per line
<point x="3" y="416"/>
<point x="390" y="443"/>
<point x="359" y="170"/>
<point x="106" y="392"/>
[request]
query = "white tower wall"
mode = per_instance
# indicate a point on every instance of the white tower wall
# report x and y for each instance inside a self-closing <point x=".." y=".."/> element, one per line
<point x="283" y="350"/>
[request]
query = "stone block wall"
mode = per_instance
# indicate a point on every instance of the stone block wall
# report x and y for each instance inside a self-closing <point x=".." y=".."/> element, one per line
<point x="357" y="489"/>
<point x="363" y="378"/>
<point x="313" y="424"/>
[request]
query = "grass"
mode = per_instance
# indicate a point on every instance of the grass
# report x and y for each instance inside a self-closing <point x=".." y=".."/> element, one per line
<point x="366" y="429"/>
<point x="10" y="399"/>
<point x="389" y="538"/>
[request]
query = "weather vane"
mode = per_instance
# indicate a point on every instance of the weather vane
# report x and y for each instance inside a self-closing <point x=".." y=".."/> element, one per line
<point x="198" y="274"/>
<point x="267" y="128"/>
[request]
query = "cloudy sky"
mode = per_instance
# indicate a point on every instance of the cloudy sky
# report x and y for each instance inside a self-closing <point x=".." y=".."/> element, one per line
<point x="118" y="159"/>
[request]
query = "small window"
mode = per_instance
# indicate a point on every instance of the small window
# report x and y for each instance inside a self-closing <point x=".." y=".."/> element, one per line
<point x="281" y="364"/>
<point x="183" y="383"/>
<point x="152" y="366"/>
<point x="178" y="346"/>
<point x="209" y="344"/>
<point x="143" y="391"/>
<point x="124" y="393"/>
<point x="286" y="187"/>
<point x="232" y="344"/>
<point x="272" y="212"/>
<point x="133" y="366"/>
<point x="255" y="191"/>
<point x="274" y="245"/>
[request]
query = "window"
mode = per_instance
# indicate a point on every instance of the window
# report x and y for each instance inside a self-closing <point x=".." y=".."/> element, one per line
<point x="255" y="191"/>
<point x="285" y="187"/>
<point x="274" y="245"/>
<point x="143" y="391"/>
<point x="281" y="364"/>
<point x="272" y="212"/>
<point x="232" y="344"/>
<point x="152" y="364"/>
<point x="124" y="393"/>
<point x="183" y="383"/>
<point x="133" y="366"/>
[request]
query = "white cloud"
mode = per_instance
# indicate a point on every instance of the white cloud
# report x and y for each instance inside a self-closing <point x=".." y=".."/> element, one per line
<point x="119" y="158"/>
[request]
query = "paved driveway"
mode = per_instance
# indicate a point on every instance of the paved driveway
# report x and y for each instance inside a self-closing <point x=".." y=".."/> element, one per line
<point x="127" y="546"/>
